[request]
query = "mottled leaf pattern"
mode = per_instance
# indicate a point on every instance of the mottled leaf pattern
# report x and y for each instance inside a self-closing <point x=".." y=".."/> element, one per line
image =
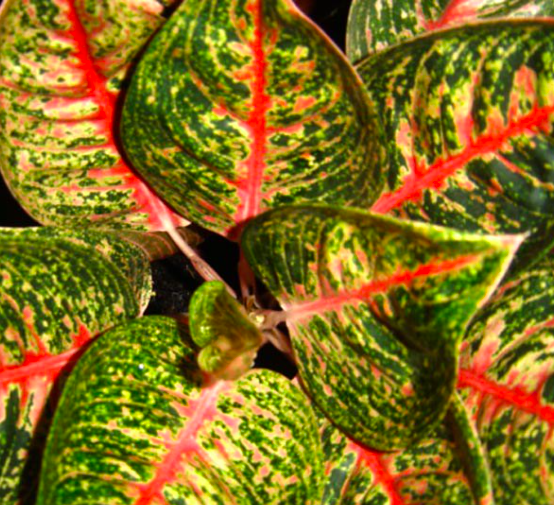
<point x="468" y="116"/>
<point x="446" y="469"/>
<point x="135" y="427"/>
<point x="57" y="290"/>
<point x="61" y="67"/>
<point x="219" y="325"/>
<point x="240" y="106"/>
<point x="376" y="308"/>
<point x="507" y="381"/>
<point x="375" y="25"/>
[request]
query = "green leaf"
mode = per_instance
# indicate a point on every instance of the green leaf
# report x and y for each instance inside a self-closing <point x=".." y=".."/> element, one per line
<point x="62" y="63"/>
<point x="135" y="426"/>
<point x="219" y="325"/>
<point x="375" y="25"/>
<point x="376" y="308"/>
<point x="467" y="116"/>
<point x="507" y="383"/>
<point x="237" y="107"/>
<point x="57" y="290"/>
<point x="448" y="468"/>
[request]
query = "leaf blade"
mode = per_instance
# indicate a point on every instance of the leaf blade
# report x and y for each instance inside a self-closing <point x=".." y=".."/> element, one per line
<point x="62" y="65"/>
<point x="263" y="86"/>
<point x="375" y="313"/>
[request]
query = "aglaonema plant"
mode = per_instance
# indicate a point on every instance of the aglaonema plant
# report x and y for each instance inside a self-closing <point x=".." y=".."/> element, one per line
<point x="393" y="213"/>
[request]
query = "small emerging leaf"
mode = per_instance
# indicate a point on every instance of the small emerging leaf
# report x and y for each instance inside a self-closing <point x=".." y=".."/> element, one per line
<point x="136" y="427"/>
<point x="237" y="107"/>
<point x="376" y="308"/>
<point x="221" y="328"/>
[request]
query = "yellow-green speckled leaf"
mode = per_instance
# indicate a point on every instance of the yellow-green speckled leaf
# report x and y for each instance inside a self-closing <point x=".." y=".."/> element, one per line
<point x="507" y="383"/>
<point x="243" y="105"/>
<point x="376" y="308"/>
<point x="135" y="426"/>
<point x="62" y="63"/>
<point x="373" y="25"/>
<point x="468" y="117"/>
<point x="58" y="289"/>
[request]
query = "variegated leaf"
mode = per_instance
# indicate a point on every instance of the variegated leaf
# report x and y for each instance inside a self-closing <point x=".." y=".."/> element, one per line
<point x="376" y="308"/>
<point x="136" y="427"/>
<point x="57" y="290"/>
<point x="228" y="338"/>
<point x="375" y="25"/>
<point x="61" y="67"/>
<point x="448" y="468"/>
<point x="507" y="382"/>
<point x="237" y="107"/>
<point x="468" y="116"/>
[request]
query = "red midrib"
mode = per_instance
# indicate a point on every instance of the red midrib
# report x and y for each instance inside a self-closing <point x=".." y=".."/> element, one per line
<point x="378" y="286"/>
<point x="383" y="478"/>
<point x="167" y="469"/>
<point x="158" y="213"/>
<point x="250" y="188"/>
<point x="435" y="175"/>
<point x="530" y="403"/>
<point x="36" y="366"/>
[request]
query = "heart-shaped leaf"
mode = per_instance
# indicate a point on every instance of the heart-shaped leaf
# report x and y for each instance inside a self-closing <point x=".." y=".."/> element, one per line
<point x="135" y="427"/>
<point x="237" y="107"/>
<point x="446" y="469"/>
<point x="219" y="325"/>
<point x="61" y="66"/>
<point x="507" y="382"/>
<point x="376" y="308"/>
<point x="468" y="116"/>
<point x="57" y="290"/>
<point x="375" y="25"/>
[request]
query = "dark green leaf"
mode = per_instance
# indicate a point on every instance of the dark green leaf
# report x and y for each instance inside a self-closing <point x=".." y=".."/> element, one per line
<point x="136" y="427"/>
<point x="468" y="121"/>
<point x="237" y="107"/>
<point x="376" y="308"/>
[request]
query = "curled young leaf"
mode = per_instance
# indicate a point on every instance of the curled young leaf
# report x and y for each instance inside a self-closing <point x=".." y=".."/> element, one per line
<point x="228" y="338"/>
<point x="374" y="25"/>
<point x="58" y="289"/>
<point x="468" y="119"/>
<point x="61" y="66"/>
<point x="376" y="308"/>
<point x="135" y="426"/>
<point x="237" y="107"/>
<point x="507" y="383"/>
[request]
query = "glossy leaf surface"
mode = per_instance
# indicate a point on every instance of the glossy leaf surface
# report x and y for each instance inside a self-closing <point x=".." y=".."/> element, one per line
<point x="468" y="120"/>
<point x="507" y="382"/>
<point x="376" y="308"/>
<point x="156" y="436"/>
<point x="375" y="25"/>
<point x="219" y="325"/>
<point x="447" y="468"/>
<point x="237" y="107"/>
<point x="62" y="63"/>
<point x="57" y="290"/>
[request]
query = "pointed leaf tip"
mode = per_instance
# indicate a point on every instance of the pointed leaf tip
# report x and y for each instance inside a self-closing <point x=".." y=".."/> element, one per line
<point x="376" y="308"/>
